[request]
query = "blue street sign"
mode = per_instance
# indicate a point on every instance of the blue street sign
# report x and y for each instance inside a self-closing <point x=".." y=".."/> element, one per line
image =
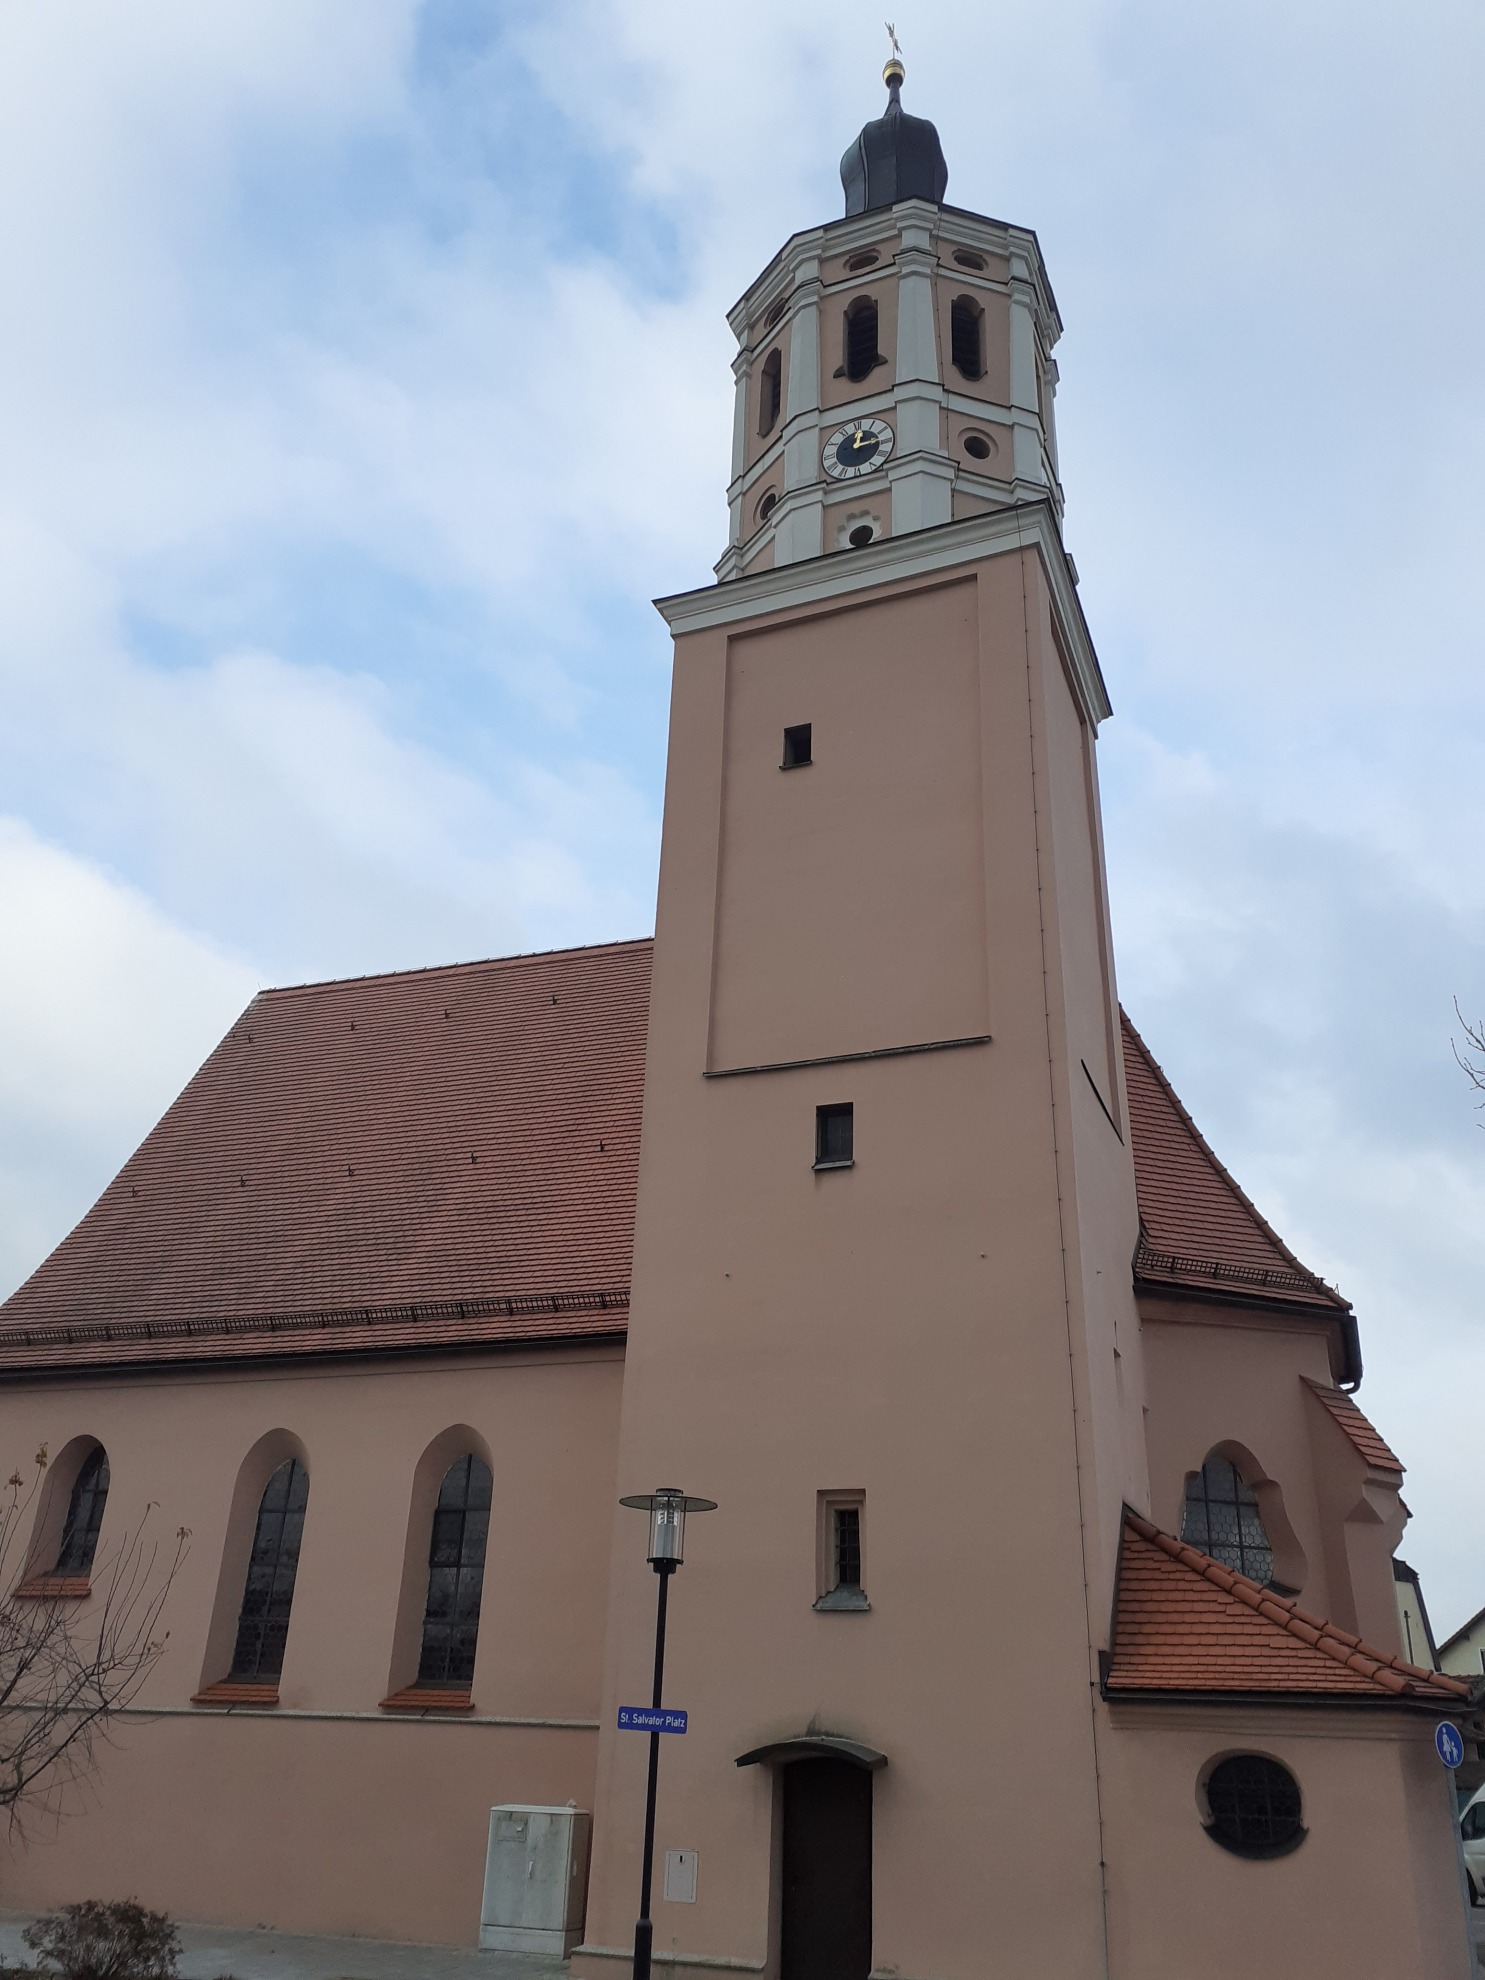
<point x="1450" y="1744"/>
<point x="645" y="1719"/>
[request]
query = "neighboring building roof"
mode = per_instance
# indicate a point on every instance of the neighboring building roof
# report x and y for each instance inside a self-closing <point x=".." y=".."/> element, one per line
<point x="1199" y="1232"/>
<point x="1359" y="1428"/>
<point x="1184" y="1623"/>
<point x="312" y="1190"/>
<point x="1465" y="1630"/>
<point x="438" y="1156"/>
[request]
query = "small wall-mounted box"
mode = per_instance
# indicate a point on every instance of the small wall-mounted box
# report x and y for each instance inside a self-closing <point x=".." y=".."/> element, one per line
<point x="536" y="1880"/>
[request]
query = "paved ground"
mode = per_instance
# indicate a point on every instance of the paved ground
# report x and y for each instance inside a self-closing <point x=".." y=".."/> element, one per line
<point x="210" y="1950"/>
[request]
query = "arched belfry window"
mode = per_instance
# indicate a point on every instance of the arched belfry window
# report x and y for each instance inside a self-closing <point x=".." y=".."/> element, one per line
<point x="1222" y="1518"/>
<point x="84" y="1515"/>
<point x="861" y="353"/>
<point x="456" y="1574"/>
<point x="967" y="337"/>
<point x="263" y="1620"/>
<point x="771" y="392"/>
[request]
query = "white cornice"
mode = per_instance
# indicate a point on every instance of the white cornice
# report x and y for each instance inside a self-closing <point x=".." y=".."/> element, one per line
<point x="953" y="224"/>
<point x="893" y="559"/>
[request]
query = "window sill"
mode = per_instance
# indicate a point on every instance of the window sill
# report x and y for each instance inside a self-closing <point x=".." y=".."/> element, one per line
<point x="262" y="1697"/>
<point x="427" y="1698"/>
<point x="54" y="1588"/>
<point x="844" y="1601"/>
<point x="849" y="1164"/>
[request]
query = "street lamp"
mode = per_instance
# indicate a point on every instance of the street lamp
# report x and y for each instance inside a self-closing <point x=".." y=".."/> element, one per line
<point x="667" y="1509"/>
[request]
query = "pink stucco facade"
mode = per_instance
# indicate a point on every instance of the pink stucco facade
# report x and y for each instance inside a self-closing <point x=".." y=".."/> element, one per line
<point x="947" y="1333"/>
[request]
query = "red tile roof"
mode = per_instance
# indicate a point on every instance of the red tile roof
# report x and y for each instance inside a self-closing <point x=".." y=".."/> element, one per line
<point x="1199" y="1232"/>
<point x="1360" y="1429"/>
<point x="447" y="1157"/>
<point x="439" y="1156"/>
<point x="1184" y="1623"/>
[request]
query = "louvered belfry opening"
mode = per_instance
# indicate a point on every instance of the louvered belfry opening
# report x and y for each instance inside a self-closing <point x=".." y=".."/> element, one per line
<point x="862" y="355"/>
<point x="1223" y="1520"/>
<point x="263" y="1621"/>
<point x="84" y="1515"/>
<point x="967" y="337"/>
<point x="456" y="1574"/>
<point x="770" y="392"/>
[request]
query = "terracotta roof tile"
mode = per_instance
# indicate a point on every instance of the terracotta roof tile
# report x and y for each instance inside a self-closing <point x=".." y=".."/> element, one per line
<point x="1198" y="1229"/>
<point x="1184" y="1623"/>
<point x="1359" y="1428"/>
<point x="436" y="1157"/>
<point x="448" y="1157"/>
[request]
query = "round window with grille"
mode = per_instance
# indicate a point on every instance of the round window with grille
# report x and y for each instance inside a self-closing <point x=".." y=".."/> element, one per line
<point x="1254" y="1806"/>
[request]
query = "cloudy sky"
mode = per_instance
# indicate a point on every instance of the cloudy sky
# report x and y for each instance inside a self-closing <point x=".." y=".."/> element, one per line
<point x="364" y="373"/>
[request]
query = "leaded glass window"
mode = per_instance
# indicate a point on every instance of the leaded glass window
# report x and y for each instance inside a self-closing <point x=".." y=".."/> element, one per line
<point x="456" y="1573"/>
<point x="84" y="1515"/>
<point x="1255" y="1806"/>
<point x="263" y="1621"/>
<point x="1222" y="1518"/>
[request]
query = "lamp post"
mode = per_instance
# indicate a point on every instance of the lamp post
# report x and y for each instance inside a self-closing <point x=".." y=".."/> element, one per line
<point x="667" y="1508"/>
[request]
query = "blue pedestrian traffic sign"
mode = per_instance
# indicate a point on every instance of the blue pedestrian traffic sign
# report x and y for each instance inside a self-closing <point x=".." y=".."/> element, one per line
<point x="1450" y="1744"/>
<point x="646" y="1719"/>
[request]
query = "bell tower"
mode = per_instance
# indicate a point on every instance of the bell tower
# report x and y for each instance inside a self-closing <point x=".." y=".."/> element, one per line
<point x="882" y="1309"/>
<point x="894" y="369"/>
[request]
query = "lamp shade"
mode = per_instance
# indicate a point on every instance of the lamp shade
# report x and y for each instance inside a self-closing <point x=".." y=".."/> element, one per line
<point x="667" y="1507"/>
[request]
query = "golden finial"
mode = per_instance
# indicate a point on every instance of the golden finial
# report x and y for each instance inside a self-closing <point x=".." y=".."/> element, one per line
<point x="894" y="72"/>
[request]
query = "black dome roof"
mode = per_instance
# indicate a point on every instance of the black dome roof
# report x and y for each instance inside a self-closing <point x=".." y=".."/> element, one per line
<point x="896" y="157"/>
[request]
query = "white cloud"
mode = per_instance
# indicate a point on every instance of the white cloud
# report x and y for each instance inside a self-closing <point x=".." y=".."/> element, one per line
<point x="105" y="1008"/>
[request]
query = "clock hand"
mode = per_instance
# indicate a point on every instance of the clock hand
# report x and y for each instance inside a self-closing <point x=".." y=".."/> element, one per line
<point x="861" y="438"/>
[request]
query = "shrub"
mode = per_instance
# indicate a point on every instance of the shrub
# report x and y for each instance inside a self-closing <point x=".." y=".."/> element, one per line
<point x="95" y="1941"/>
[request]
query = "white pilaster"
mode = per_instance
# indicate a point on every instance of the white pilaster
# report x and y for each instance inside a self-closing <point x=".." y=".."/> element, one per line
<point x="742" y="371"/>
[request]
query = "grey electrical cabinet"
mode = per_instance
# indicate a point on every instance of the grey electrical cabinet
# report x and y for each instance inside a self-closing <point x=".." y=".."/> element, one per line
<point x="536" y="1880"/>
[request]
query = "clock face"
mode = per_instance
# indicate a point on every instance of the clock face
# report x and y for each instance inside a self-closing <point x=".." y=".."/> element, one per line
<point x="854" y="450"/>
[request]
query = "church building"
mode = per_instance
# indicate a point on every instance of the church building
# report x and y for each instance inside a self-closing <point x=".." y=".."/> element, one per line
<point x="1045" y="1622"/>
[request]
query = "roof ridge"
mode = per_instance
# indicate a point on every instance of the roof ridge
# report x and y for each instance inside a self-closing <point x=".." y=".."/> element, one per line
<point x="1222" y="1172"/>
<point x="522" y="957"/>
<point x="1389" y="1673"/>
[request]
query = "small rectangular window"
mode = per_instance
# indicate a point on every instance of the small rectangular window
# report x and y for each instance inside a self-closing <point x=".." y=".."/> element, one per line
<point x="797" y="743"/>
<point x="848" y="1546"/>
<point x="840" y="1551"/>
<point x="835" y="1136"/>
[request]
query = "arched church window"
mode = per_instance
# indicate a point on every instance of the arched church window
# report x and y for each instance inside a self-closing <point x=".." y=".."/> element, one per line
<point x="263" y="1620"/>
<point x="1222" y="1518"/>
<point x="771" y="392"/>
<point x="456" y="1574"/>
<point x="84" y="1515"/>
<point x="967" y="337"/>
<point x="861" y="355"/>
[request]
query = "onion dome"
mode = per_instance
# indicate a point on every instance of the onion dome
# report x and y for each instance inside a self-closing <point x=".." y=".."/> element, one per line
<point x="896" y="157"/>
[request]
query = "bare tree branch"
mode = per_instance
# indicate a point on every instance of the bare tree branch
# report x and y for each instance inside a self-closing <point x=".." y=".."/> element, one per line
<point x="67" y="1666"/>
<point x="1471" y="1061"/>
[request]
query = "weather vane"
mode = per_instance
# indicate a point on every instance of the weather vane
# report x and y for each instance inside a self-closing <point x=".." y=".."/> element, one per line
<point x="894" y="72"/>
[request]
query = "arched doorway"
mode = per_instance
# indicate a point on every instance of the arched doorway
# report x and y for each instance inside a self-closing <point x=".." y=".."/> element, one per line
<point x="825" y="1923"/>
